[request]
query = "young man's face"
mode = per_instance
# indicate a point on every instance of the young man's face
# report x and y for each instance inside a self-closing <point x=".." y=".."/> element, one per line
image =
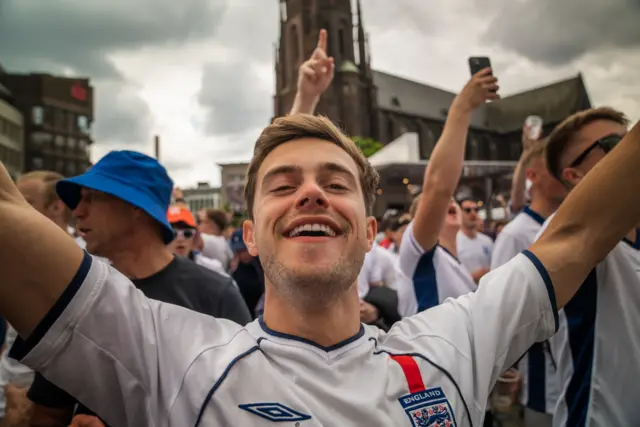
<point x="469" y="214"/>
<point x="310" y="227"/>
<point x="583" y="142"/>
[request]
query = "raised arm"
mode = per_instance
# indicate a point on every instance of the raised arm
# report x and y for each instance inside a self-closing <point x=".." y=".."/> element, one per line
<point x="445" y="165"/>
<point x="519" y="180"/>
<point x="314" y="77"/>
<point x="579" y="237"/>
<point x="37" y="260"/>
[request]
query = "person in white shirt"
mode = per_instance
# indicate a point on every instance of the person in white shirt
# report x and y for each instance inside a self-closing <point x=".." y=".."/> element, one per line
<point x="474" y="247"/>
<point x="380" y="268"/>
<point x="309" y="360"/>
<point x="539" y="392"/>
<point x="429" y="251"/>
<point x="597" y="347"/>
<point x="185" y="228"/>
<point x="212" y="242"/>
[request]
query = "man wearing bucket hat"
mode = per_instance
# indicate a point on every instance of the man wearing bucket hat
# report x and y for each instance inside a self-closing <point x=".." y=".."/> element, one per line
<point x="121" y="207"/>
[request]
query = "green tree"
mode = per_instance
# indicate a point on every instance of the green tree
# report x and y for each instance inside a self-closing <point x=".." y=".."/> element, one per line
<point x="368" y="146"/>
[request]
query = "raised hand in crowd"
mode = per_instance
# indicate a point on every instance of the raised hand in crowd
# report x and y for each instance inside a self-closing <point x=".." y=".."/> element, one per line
<point x="17" y="407"/>
<point x="314" y="77"/>
<point x="445" y="166"/>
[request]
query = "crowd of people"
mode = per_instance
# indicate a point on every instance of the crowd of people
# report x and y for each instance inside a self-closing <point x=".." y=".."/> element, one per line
<point x="123" y="308"/>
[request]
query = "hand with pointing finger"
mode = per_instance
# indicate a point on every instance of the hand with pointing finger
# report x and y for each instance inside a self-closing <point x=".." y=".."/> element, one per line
<point x="314" y="77"/>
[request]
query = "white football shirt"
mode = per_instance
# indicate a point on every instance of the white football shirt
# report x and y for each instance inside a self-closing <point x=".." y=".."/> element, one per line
<point x="139" y="362"/>
<point x="474" y="254"/>
<point x="381" y="265"/>
<point x="597" y="347"/>
<point x="436" y="274"/>
<point x="537" y="368"/>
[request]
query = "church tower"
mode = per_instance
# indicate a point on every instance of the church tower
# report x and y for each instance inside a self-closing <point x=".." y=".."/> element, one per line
<point x="350" y="101"/>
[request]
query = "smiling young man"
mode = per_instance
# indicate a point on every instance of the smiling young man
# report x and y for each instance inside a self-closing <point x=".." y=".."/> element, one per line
<point x="309" y="356"/>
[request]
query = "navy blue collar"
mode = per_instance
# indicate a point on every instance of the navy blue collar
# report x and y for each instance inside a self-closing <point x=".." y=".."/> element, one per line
<point x="534" y="215"/>
<point x="270" y="331"/>
<point x="450" y="254"/>
<point x="635" y="245"/>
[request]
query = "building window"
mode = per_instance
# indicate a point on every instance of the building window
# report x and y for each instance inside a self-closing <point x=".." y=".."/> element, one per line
<point x="40" y="141"/>
<point x="58" y="119"/>
<point x="71" y="143"/>
<point x="70" y="169"/>
<point x="71" y="122"/>
<point x="37" y="115"/>
<point x="295" y="46"/>
<point x="390" y="129"/>
<point x="37" y="163"/>
<point x="60" y="166"/>
<point x="341" y="43"/>
<point x="60" y="142"/>
<point x="83" y="125"/>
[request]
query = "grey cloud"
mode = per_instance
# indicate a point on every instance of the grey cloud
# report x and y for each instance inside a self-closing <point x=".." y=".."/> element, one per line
<point x="234" y="98"/>
<point x="57" y="34"/>
<point x="122" y="116"/>
<point x="557" y="32"/>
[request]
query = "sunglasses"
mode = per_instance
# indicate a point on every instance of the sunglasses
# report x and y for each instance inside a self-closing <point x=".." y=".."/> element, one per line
<point x="185" y="233"/>
<point x="469" y="210"/>
<point x="606" y="143"/>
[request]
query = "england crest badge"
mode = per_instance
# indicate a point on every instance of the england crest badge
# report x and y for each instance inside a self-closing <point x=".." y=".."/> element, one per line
<point x="428" y="408"/>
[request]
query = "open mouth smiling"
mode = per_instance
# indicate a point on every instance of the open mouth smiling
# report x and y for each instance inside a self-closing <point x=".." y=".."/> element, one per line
<point x="312" y="228"/>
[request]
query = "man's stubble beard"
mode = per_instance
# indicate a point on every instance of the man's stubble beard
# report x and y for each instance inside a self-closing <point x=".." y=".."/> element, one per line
<point x="314" y="289"/>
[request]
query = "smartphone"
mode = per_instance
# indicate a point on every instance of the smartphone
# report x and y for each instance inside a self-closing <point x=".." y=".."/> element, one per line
<point x="477" y="63"/>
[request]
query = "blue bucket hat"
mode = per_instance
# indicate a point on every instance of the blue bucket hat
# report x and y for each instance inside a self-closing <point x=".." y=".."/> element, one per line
<point x="130" y="176"/>
<point x="237" y="242"/>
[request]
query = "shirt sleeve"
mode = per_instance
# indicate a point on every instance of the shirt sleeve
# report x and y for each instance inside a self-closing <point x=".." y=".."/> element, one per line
<point x="116" y="351"/>
<point x="480" y="335"/>
<point x="411" y="252"/>
<point x="506" y="247"/>
<point x="44" y="393"/>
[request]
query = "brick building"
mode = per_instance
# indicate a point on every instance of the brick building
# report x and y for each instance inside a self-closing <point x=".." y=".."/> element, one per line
<point x="57" y="113"/>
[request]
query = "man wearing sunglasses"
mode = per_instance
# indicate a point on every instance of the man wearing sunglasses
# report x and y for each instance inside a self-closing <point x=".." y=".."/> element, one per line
<point x="474" y="247"/>
<point x="126" y="221"/>
<point x="185" y="229"/>
<point x="597" y="347"/>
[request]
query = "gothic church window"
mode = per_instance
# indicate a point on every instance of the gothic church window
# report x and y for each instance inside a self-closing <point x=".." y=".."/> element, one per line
<point x="295" y="45"/>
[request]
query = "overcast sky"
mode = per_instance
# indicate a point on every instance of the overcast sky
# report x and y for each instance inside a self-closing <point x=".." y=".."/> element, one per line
<point x="200" y="72"/>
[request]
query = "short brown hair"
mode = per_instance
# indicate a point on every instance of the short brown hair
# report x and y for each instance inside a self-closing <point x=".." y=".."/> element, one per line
<point x="536" y="151"/>
<point x="297" y="126"/>
<point x="218" y="217"/>
<point x="49" y="179"/>
<point x="563" y="133"/>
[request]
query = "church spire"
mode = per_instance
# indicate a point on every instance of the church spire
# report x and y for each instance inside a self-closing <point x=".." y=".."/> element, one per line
<point x="362" y="55"/>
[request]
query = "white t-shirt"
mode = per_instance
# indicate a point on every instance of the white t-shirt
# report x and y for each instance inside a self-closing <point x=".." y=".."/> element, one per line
<point x="139" y="362"/>
<point x="474" y="254"/>
<point x="12" y="371"/>
<point x="540" y="389"/>
<point x="210" y="263"/>
<point x="597" y="348"/>
<point x="217" y="247"/>
<point x="436" y="274"/>
<point x="381" y="265"/>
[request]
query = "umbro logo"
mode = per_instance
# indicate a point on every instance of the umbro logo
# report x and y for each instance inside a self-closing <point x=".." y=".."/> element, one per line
<point x="275" y="412"/>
